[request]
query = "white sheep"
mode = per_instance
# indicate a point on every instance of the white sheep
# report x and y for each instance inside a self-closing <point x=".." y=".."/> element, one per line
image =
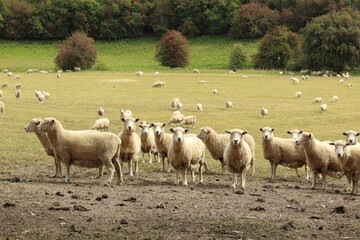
<point x="199" y="107"/>
<point x="2" y="108"/>
<point x="130" y="144"/>
<point x="245" y="76"/>
<point x="4" y="84"/>
<point x="195" y="70"/>
<point x="188" y="121"/>
<point x="264" y="112"/>
<point x="237" y="156"/>
<point x="9" y="74"/>
<point x="124" y="113"/>
<point x="17" y="93"/>
<point x="349" y="159"/>
<point x="58" y="75"/>
<point x="281" y="151"/>
<point x="317" y="100"/>
<point x="46" y="94"/>
<point x="158" y="84"/>
<point x="44" y="72"/>
<point x="139" y="73"/>
<point x="84" y="148"/>
<point x="323" y="107"/>
<point x="18" y="86"/>
<point x="186" y="154"/>
<point x="5" y="71"/>
<point x="341" y="81"/>
<point x="202" y="82"/>
<point x="349" y="84"/>
<point x="295" y="80"/>
<point x="29" y="71"/>
<point x="148" y="145"/>
<point x="41" y="98"/>
<point x="320" y="158"/>
<point x="162" y="142"/>
<point x="180" y="106"/>
<point x="156" y="74"/>
<point x="101" y="124"/>
<point x="228" y="104"/>
<point x="176" y="118"/>
<point x="174" y="103"/>
<point x="231" y="72"/>
<point x="298" y="94"/>
<point x="351" y="137"/>
<point x="215" y="91"/>
<point x="77" y="69"/>
<point x="17" y="77"/>
<point x="334" y="98"/>
<point x="37" y="93"/>
<point x="101" y="112"/>
<point x="1" y="93"/>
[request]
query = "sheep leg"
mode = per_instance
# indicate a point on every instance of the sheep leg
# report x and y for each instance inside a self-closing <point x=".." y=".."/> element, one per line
<point x="206" y="166"/>
<point x="243" y="180"/>
<point x="324" y="180"/>
<point x="150" y="157"/>
<point x="162" y="159"/>
<point x="349" y="181"/>
<point x="57" y="167"/>
<point x="234" y="180"/>
<point x="118" y="171"/>
<point x="143" y="157"/>
<point x="313" y="181"/>
<point x="223" y="168"/>
<point x="176" y="178"/>
<point x="169" y="167"/>
<point x="200" y="173"/>
<point x="252" y="164"/>
<point x="110" y="171"/>
<point x="67" y="177"/>
<point x="297" y="173"/>
<point x="193" y="176"/>
<point x="185" y="183"/>
<point x="136" y="164"/>
<point x="273" y="171"/>
<point x="130" y="169"/>
<point x="100" y="172"/>
<point x="355" y="185"/>
<point x="307" y="173"/>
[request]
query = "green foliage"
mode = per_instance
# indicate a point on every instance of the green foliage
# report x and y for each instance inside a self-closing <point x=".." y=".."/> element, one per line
<point x="332" y="41"/>
<point x="173" y="50"/>
<point x="277" y="49"/>
<point x="237" y="57"/>
<point x="76" y="51"/>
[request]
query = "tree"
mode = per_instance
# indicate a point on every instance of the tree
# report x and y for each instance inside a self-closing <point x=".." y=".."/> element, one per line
<point x="332" y="41"/>
<point x="76" y="51"/>
<point x="237" y="58"/>
<point x="173" y="49"/>
<point x="277" y="49"/>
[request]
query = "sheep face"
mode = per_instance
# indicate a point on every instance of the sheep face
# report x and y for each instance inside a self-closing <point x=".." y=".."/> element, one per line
<point x="267" y="133"/>
<point x="178" y="134"/>
<point x="204" y="131"/>
<point x="46" y="125"/>
<point x="340" y="147"/>
<point x="158" y="128"/>
<point x="129" y="123"/>
<point x="303" y="138"/>
<point x="351" y="136"/>
<point x="145" y="129"/>
<point x="236" y="135"/>
<point x="31" y="126"/>
<point x="294" y="133"/>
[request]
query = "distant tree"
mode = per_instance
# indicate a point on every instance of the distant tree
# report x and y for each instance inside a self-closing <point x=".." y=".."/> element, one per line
<point x="332" y="41"/>
<point x="277" y="49"/>
<point x="173" y="50"/>
<point x="253" y="20"/>
<point x="76" y="51"/>
<point x="237" y="57"/>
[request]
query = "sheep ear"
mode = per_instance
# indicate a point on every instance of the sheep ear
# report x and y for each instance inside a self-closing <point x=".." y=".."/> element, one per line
<point x="151" y="124"/>
<point x="288" y="132"/>
<point x="171" y="130"/>
<point x="333" y="144"/>
<point x="310" y="135"/>
<point x="273" y="129"/>
<point x="344" y="133"/>
<point x="164" y="124"/>
<point x="244" y="133"/>
<point x="122" y="119"/>
<point x="300" y="132"/>
<point x="186" y="130"/>
<point x="260" y="129"/>
<point x="137" y="119"/>
<point x="53" y="121"/>
<point x="358" y="133"/>
<point x="348" y="144"/>
<point x="38" y="122"/>
<point x="140" y="126"/>
<point x="228" y="131"/>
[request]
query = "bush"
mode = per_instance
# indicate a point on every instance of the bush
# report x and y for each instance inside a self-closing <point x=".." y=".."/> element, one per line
<point x="76" y="51"/>
<point x="173" y="50"/>
<point x="237" y="57"/>
<point x="277" y="49"/>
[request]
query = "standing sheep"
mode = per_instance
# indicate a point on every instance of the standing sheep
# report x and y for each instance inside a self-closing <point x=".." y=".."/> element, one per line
<point x="350" y="85"/>
<point x="18" y="86"/>
<point x="334" y="98"/>
<point x="101" y="112"/>
<point x="1" y="93"/>
<point x="237" y="156"/>
<point x="298" y="94"/>
<point x="139" y="74"/>
<point x="323" y="107"/>
<point x="17" y="93"/>
<point x="215" y="91"/>
<point x="17" y="77"/>
<point x="148" y="145"/>
<point x="130" y="144"/>
<point x="124" y="113"/>
<point x="180" y="106"/>
<point x="199" y="107"/>
<point x="228" y="104"/>
<point x="77" y="69"/>
<point x="341" y="81"/>
<point x="195" y="70"/>
<point x="264" y="112"/>
<point x="186" y="154"/>
<point x="156" y="74"/>
<point x="202" y="82"/>
<point x="101" y="124"/>
<point x="58" y="75"/>
<point x="188" y="121"/>
<point x="174" y="103"/>
<point x="162" y="142"/>
<point x="295" y="80"/>
<point x="4" y="84"/>
<point x="317" y="100"/>
<point x="41" y="98"/>
<point x="2" y="108"/>
<point x="351" y="137"/>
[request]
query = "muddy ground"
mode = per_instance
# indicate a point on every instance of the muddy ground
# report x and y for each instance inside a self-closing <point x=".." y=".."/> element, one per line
<point x="35" y="206"/>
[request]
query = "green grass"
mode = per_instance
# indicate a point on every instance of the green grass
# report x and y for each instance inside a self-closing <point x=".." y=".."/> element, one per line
<point x="207" y="52"/>
<point x="75" y="98"/>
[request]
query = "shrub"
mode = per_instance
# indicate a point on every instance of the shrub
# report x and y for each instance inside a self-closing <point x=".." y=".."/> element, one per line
<point x="173" y="50"/>
<point x="237" y="58"/>
<point x="76" y="51"/>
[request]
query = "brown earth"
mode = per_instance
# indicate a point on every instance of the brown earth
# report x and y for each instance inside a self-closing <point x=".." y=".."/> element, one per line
<point x="35" y="206"/>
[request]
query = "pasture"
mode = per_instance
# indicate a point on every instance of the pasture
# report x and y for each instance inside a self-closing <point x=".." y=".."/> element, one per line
<point x="291" y="209"/>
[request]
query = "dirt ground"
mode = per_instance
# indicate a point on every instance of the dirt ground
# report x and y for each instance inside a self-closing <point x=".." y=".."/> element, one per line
<point x="35" y="206"/>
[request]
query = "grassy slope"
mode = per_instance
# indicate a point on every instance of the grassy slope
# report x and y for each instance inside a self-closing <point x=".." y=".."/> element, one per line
<point x="123" y="55"/>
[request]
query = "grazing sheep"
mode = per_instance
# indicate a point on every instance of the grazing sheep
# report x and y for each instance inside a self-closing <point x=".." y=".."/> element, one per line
<point x="202" y="81"/>
<point x="77" y="69"/>
<point x="148" y="145"/>
<point x="351" y="137"/>
<point x="29" y="71"/>
<point x="174" y="103"/>
<point x="186" y="154"/>
<point x="2" y="108"/>
<point x="180" y="106"/>
<point x="124" y="113"/>
<point x="215" y="91"/>
<point x="188" y="121"/>
<point x="46" y="94"/>
<point x="341" y="81"/>
<point x="18" y="86"/>
<point x="349" y="160"/>
<point x="41" y="98"/>
<point x="176" y="118"/>
<point x="334" y="98"/>
<point x="5" y="84"/>
<point x="101" y="124"/>
<point x="139" y="73"/>
<point x="231" y="72"/>
<point x="58" y="75"/>
<point x="304" y="71"/>
<point x="130" y="144"/>
<point x="162" y="142"/>
<point x="237" y="156"/>
<point x="1" y="93"/>
<point x="349" y="85"/>
<point x="281" y="151"/>
<point x="60" y="71"/>
<point x="228" y="104"/>
<point x="295" y="80"/>
<point x="321" y="158"/>
<point x="298" y="94"/>
<point x="17" y="93"/>
<point x="45" y="72"/>
<point x="5" y="71"/>
<point x="323" y="107"/>
<point x="264" y="112"/>
<point x="37" y="93"/>
<point x="84" y="148"/>
<point x="158" y="84"/>
<point x="196" y="70"/>
<point x="9" y="74"/>
<point x="199" y="107"/>
<point x="101" y="112"/>
<point x="216" y="144"/>
<point x="156" y="74"/>
<point x="317" y="100"/>
<point x="17" y="77"/>
<point x="245" y="76"/>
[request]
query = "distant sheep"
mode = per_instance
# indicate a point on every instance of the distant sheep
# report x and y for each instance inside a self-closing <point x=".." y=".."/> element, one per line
<point x="195" y="70"/>
<point x="202" y="81"/>
<point x="245" y="76"/>
<point x="5" y="71"/>
<point x="228" y="104"/>
<point x="124" y="113"/>
<point x="298" y="94"/>
<point x="101" y="124"/>
<point x="139" y="73"/>
<point x="264" y="112"/>
<point x="350" y="85"/>
<point x="317" y="100"/>
<point x="46" y="94"/>
<point x="17" y="77"/>
<point x="199" y="107"/>
<point x="158" y="84"/>
<point x="231" y="72"/>
<point x="1" y="93"/>
<point x="180" y="106"/>
<point x="174" y="103"/>
<point x="77" y="69"/>
<point x="295" y="80"/>
<point x="341" y="81"/>
<point x="18" y="86"/>
<point x="176" y="118"/>
<point x="29" y="71"/>
<point x="323" y="107"/>
<point x="101" y="112"/>
<point x="9" y="74"/>
<point x="2" y="108"/>
<point x="156" y="74"/>
<point x="4" y="84"/>
<point x="334" y="98"/>
<point x="215" y="91"/>
<point x="188" y="121"/>
<point x="58" y="75"/>
<point x="41" y="98"/>
<point x="17" y="93"/>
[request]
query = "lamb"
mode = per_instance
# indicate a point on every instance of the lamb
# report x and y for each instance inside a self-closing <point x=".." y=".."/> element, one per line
<point x="295" y="80"/>
<point x="148" y="145"/>
<point x="188" y="121"/>
<point x="130" y="144"/>
<point x="349" y="85"/>
<point x="2" y="108"/>
<point x="77" y="69"/>
<point x="101" y="124"/>
<point x="264" y="112"/>
<point x="216" y="144"/>
<point x="237" y="156"/>
<point x="228" y="104"/>
<point x="84" y="148"/>
<point x="199" y="107"/>
<point x="323" y="107"/>
<point x="202" y="82"/>
<point x="18" y="86"/>
<point x="334" y="98"/>
<point x="124" y="113"/>
<point x="175" y="103"/>
<point x="4" y="84"/>
<point x="176" y="117"/>
<point x="349" y="160"/>
<point x="186" y="154"/>
<point x="320" y="158"/>
<point x="17" y="94"/>
<point x="139" y="73"/>
<point x="37" y="93"/>
<point x="317" y="100"/>
<point x="215" y="91"/>
<point x="162" y="142"/>
<point x="298" y="94"/>
<point x="101" y="112"/>
<point x="17" y="77"/>
<point x="195" y="70"/>
<point x="281" y="151"/>
<point x="351" y="137"/>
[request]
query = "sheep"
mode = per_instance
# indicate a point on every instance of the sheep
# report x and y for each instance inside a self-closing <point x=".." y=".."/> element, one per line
<point x="124" y="113"/>
<point x="349" y="160"/>
<point x="18" y="86"/>
<point x="281" y="151"/>
<point x="2" y="108"/>
<point x="216" y="144"/>
<point x="37" y="93"/>
<point x="199" y="107"/>
<point x="245" y="76"/>
<point x="317" y="100"/>
<point x="148" y="145"/>
<point x="156" y="74"/>
<point x="298" y="94"/>
<point x="202" y="82"/>
<point x="231" y="72"/>
<point x="130" y="144"/>
<point x="334" y="99"/>
<point x="100" y="112"/>
<point x="77" y="69"/>
<point x="17" y="77"/>
<point x="60" y="71"/>
<point x="162" y="142"/>
<point x="264" y="112"/>
<point x="295" y="80"/>
<point x="5" y="71"/>
<point x="188" y="121"/>
<point x="186" y="154"/>
<point x="4" y="84"/>
<point x="351" y="137"/>
<point x="139" y="73"/>
<point x="237" y="156"/>
<point x="41" y="98"/>
<point x="195" y="70"/>
<point x="349" y="85"/>
<point x="46" y="94"/>
<point x="320" y="158"/>
<point x="17" y="93"/>
<point x="228" y="104"/>
<point x="29" y="71"/>
<point x="85" y="148"/>
<point x="174" y="103"/>
<point x="215" y="91"/>
<point x="58" y="75"/>
<point x="323" y="107"/>
<point x="1" y="93"/>
<point x="341" y="81"/>
<point x="158" y="84"/>
<point x="304" y="71"/>
<point x="281" y="73"/>
<point x="101" y="124"/>
<point x="9" y="74"/>
<point x="176" y="118"/>
<point x="180" y="106"/>
<point x="44" y="72"/>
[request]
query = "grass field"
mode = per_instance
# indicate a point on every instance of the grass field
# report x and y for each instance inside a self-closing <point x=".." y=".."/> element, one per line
<point x="75" y="98"/>
<point x="124" y="55"/>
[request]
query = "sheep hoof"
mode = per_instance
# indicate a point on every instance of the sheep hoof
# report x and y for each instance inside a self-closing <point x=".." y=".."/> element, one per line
<point x="233" y="186"/>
